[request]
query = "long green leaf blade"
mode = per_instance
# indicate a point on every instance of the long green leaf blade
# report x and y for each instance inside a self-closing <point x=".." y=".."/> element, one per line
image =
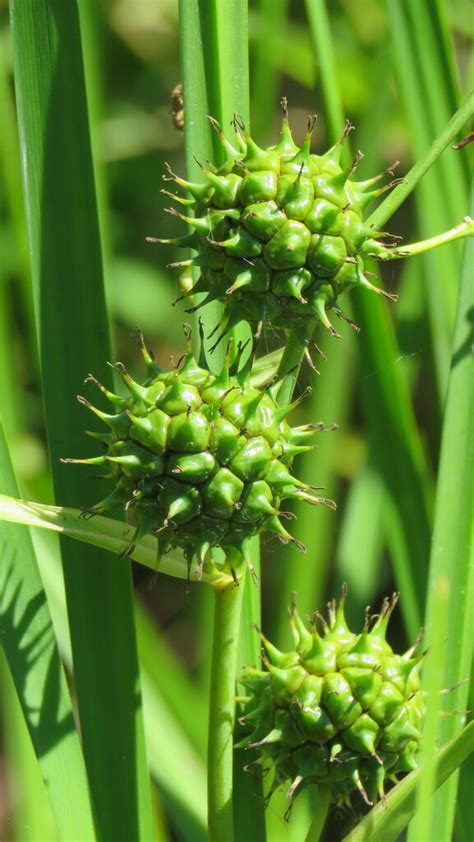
<point x="452" y="551"/>
<point x="30" y="648"/>
<point x="171" y="755"/>
<point x="428" y="105"/>
<point x="72" y="327"/>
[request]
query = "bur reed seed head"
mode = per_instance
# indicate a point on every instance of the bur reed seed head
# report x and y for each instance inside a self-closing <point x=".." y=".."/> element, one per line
<point x="201" y="460"/>
<point x="279" y="233"/>
<point x="340" y="708"/>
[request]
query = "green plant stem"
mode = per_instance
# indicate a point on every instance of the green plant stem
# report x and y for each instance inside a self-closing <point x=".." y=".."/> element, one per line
<point x="214" y="60"/>
<point x="321" y="814"/>
<point x="396" y="198"/>
<point x="221" y="713"/>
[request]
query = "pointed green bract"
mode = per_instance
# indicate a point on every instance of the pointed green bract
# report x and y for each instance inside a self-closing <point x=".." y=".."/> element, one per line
<point x="198" y="459"/>
<point x="340" y="709"/>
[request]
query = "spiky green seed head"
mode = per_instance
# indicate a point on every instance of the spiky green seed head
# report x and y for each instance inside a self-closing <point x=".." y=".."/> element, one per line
<point x="340" y="709"/>
<point x="201" y="460"/>
<point x="279" y="232"/>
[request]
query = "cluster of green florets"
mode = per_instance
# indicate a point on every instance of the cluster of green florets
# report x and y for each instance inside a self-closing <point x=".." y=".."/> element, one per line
<point x="340" y="709"/>
<point x="201" y="460"/>
<point x="279" y="232"/>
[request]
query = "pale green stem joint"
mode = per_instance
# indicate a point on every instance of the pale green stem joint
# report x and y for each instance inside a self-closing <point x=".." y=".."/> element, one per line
<point x="464" y="229"/>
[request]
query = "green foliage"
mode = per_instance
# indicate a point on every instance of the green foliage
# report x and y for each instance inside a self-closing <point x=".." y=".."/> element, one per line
<point x="397" y="390"/>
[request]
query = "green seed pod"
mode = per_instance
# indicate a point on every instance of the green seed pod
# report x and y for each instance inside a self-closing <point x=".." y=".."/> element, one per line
<point x="279" y="233"/>
<point x="201" y="460"/>
<point x="319" y="720"/>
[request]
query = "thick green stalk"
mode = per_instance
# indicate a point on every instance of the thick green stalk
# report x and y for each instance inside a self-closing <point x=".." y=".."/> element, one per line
<point x="228" y="604"/>
<point x="214" y="59"/>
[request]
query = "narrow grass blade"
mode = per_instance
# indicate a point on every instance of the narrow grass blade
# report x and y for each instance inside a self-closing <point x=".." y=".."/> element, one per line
<point x="174" y="765"/>
<point x="321" y="36"/>
<point x="167" y="674"/>
<point x="32" y="817"/>
<point x="464" y="818"/>
<point x="401" y="562"/>
<point x="30" y="648"/>
<point x="451" y="131"/>
<point x="452" y="546"/>
<point x="12" y="415"/>
<point x="432" y="685"/>
<point x="167" y="745"/>
<point x="10" y="168"/>
<point x="317" y="825"/>
<point x="271" y="21"/>
<point x="72" y="327"/>
<point x="308" y="574"/>
<point x="428" y="105"/>
<point x="387" y="820"/>
<point x="393" y="430"/>
<point x="362" y="528"/>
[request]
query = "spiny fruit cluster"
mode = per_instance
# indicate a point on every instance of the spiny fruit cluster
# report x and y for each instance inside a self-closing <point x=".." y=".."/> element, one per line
<point x="201" y="460"/>
<point x="279" y="232"/>
<point x="340" y="708"/>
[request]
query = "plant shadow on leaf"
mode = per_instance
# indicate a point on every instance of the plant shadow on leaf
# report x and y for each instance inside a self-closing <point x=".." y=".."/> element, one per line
<point x="466" y="347"/>
<point x="20" y="636"/>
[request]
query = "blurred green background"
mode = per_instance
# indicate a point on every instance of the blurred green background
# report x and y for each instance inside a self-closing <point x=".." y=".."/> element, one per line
<point x="132" y="65"/>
